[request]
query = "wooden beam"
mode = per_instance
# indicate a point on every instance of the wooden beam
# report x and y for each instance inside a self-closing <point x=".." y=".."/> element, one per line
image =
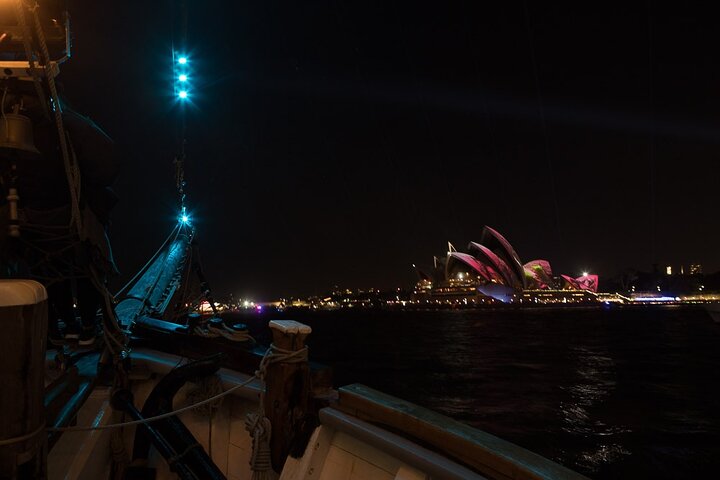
<point x="487" y="454"/>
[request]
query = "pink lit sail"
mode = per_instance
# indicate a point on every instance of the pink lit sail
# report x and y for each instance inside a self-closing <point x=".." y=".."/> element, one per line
<point x="470" y="261"/>
<point x="585" y="282"/>
<point x="487" y="256"/>
<point x="540" y="273"/>
<point x="492" y="239"/>
<point x="533" y="281"/>
<point x="570" y="283"/>
<point x="543" y="265"/>
<point x="494" y="276"/>
<point x="588" y="282"/>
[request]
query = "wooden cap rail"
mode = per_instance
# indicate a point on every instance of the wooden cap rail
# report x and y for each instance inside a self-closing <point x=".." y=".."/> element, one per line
<point x="487" y="454"/>
<point x="431" y="463"/>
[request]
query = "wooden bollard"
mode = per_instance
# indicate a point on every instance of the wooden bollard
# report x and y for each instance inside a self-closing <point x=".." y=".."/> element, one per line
<point x="23" y="320"/>
<point x="287" y="389"/>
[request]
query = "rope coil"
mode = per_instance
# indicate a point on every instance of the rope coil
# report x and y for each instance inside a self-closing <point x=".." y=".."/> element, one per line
<point x="257" y="424"/>
<point x="210" y="331"/>
<point x="276" y="354"/>
<point x="260" y="431"/>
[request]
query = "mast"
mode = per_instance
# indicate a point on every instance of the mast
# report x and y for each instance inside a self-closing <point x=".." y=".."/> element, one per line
<point x="182" y="86"/>
<point x="181" y="74"/>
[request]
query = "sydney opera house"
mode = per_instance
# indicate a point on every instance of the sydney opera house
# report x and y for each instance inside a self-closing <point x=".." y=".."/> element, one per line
<point x="492" y="271"/>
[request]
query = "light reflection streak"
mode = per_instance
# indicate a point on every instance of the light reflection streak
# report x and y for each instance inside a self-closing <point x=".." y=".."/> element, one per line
<point x="596" y="373"/>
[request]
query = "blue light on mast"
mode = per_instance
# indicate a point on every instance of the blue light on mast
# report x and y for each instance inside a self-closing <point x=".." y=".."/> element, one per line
<point x="184" y="217"/>
<point x="182" y="76"/>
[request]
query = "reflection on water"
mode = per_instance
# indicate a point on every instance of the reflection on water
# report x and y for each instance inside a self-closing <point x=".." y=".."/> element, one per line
<point x="612" y="394"/>
<point x="596" y="380"/>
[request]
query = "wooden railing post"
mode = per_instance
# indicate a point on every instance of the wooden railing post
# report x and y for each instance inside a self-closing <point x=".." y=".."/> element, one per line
<point x="287" y="389"/>
<point x="23" y="320"/>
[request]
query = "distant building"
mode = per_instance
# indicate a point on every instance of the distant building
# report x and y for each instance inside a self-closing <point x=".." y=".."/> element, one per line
<point x="693" y="269"/>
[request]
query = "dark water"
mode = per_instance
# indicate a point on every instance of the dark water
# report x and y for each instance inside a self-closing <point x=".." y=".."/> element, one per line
<point x="610" y="394"/>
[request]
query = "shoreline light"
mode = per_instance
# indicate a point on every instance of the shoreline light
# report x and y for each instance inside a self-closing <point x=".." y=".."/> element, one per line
<point x="183" y="94"/>
<point x="183" y="77"/>
<point x="182" y="60"/>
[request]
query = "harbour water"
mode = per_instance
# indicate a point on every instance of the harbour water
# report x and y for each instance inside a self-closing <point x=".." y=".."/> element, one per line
<point x="608" y="393"/>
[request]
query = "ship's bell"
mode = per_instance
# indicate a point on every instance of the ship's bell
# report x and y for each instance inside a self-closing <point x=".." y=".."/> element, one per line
<point x="16" y="135"/>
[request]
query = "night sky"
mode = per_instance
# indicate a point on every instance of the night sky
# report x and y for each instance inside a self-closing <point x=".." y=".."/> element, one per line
<point x="336" y="143"/>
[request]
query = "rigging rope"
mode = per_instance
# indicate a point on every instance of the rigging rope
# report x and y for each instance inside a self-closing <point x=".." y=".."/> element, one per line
<point x="186" y="287"/>
<point x="156" y="417"/>
<point x="149" y="262"/>
<point x="160" y="272"/>
<point x="20" y="11"/>
<point x="72" y="172"/>
<point x="109" y="316"/>
<point x="22" y="438"/>
<point x="7" y="126"/>
<point x="272" y="355"/>
<point x="71" y="167"/>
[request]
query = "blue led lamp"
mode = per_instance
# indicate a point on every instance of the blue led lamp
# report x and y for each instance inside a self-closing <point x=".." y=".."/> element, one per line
<point x="184" y="217"/>
<point x="181" y="76"/>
